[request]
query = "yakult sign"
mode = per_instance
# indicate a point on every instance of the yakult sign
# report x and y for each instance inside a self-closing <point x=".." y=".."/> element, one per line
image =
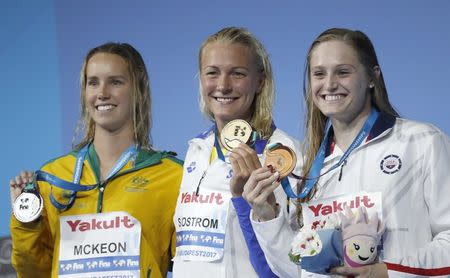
<point x="318" y="210"/>
<point x="93" y="245"/>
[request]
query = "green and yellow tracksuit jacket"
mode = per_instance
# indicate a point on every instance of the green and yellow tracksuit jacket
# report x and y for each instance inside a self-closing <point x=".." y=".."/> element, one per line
<point x="146" y="188"/>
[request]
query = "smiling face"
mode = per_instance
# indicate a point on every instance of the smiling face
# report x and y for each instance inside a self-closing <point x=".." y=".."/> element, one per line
<point x="108" y="93"/>
<point x="360" y="250"/>
<point x="339" y="82"/>
<point x="229" y="80"/>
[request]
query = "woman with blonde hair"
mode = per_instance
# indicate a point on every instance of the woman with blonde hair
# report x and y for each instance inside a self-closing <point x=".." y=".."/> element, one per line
<point x="107" y="206"/>
<point x="236" y="83"/>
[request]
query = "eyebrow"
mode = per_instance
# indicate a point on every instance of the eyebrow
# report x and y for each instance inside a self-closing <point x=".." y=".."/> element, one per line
<point x="232" y="68"/>
<point x="109" y="77"/>
<point x="117" y="76"/>
<point x="339" y="65"/>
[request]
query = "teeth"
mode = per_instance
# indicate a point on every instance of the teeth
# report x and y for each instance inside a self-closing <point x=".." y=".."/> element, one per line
<point x="105" y="107"/>
<point x="224" y="99"/>
<point x="333" y="97"/>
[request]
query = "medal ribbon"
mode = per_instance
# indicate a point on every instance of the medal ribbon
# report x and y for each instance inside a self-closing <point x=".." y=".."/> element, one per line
<point x="314" y="173"/>
<point x="74" y="186"/>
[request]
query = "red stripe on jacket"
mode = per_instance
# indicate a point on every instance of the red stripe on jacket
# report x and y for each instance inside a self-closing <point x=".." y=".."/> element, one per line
<point x="419" y="271"/>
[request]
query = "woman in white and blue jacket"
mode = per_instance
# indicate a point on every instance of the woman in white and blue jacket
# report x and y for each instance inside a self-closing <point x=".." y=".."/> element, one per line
<point x="366" y="149"/>
<point x="235" y="83"/>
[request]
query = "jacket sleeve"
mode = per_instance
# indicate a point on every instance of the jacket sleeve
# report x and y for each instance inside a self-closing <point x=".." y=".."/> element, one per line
<point x="434" y="258"/>
<point x="257" y="258"/>
<point x="275" y="237"/>
<point x="32" y="248"/>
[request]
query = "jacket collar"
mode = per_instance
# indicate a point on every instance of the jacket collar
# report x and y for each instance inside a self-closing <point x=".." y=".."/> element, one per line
<point x="383" y="123"/>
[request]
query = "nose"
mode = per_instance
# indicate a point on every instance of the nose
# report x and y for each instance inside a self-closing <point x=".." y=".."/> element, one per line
<point x="103" y="93"/>
<point x="331" y="83"/>
<point x="223" y="84"/>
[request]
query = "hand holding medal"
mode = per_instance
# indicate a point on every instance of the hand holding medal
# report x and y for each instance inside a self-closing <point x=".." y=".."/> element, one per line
<point x="254" y="182"/>
<point x="237" y="136"/>
<point x="281" y="158"/>
<point x="279" y="163"/>
<point x="28" y="204"/>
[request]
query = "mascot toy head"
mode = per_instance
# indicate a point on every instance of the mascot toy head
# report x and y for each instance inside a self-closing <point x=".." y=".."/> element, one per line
<point x="360" y="236"/>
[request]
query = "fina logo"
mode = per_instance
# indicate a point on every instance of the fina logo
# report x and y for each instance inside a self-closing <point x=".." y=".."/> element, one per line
<point x="391" y="164"/>
<point x="191" y="167"/>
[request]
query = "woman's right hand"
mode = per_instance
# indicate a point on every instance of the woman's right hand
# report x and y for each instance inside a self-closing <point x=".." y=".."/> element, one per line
<point x="258" y="191"/>
<point x="18" y="183"/>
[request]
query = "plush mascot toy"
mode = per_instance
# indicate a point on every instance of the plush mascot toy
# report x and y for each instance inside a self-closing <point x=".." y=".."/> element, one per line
<point x="360" y="236"/>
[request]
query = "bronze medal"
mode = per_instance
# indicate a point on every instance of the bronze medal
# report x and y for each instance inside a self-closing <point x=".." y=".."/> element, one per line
<point x="282" y="159"/>
<point x="234" y="133"/>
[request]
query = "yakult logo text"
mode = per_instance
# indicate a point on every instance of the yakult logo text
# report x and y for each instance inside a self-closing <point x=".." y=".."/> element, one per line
<point x="202" y="198"/>
<point x="95" y="224"/>
<point x="335" y="206"/>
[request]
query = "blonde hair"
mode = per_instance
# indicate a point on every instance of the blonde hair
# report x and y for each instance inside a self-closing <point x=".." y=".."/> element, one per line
<point x="141" y="96"/>
<point x="261" y="118"/>
<point x="315" y="120"/>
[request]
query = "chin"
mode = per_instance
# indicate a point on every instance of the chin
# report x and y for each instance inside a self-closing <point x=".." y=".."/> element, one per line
<point x="331" y="113"/>
<point x="226" y="117"/>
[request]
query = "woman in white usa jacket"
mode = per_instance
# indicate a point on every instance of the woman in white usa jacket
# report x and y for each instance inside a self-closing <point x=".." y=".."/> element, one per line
<point x="235" y="83"/>
<point x="407" y="162"/>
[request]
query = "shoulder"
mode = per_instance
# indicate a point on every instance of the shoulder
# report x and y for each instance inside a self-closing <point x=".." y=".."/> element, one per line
<point x="206" y="133"/>
<point x="416" y="130"/>
<point x="60" y="162"/>
<point x="423" y="137"/>
<point x="151" y="157"/>
<point x="201" y="142"/>
<point x="171" y="157"/>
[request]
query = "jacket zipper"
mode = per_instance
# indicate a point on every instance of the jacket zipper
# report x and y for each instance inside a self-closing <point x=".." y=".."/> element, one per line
<point x="199" y="182"/>
<point x="102" y="186"/>
<point x="342" y="167"/>
<point x="101" y="189"/>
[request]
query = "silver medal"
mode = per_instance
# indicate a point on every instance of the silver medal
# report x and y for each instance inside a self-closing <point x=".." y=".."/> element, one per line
<point x="28" y="207"/>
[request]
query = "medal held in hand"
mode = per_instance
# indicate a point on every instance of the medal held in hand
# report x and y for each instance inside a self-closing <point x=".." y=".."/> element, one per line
<point x="282" y="159"/>
<point x="234" y="133"/>
<point x="28" y="206"/>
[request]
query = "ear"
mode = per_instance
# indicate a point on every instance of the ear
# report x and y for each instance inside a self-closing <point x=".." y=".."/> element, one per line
<point x="375" y="76"/>
<point x="376" y="71"/>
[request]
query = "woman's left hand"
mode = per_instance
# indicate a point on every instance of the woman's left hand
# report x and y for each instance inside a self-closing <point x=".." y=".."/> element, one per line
<point x="378" y="270"/>
<point x="244" y="161"/>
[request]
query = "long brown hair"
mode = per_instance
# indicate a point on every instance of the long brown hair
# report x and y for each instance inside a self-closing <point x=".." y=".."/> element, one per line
<point x="314" y="119"/>
<point x="141" y="96"/>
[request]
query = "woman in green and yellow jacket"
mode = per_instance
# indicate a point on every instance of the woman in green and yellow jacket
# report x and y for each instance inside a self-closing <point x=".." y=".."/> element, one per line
<point x="107" y="205"/>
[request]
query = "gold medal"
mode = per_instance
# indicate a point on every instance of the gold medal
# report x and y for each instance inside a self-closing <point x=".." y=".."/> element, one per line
<point x="234" y="133"/>
<point x="281" y="158"/>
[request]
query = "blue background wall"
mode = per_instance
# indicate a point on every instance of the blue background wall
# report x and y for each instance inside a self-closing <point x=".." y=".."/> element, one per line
<point x="43" y="44"/>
